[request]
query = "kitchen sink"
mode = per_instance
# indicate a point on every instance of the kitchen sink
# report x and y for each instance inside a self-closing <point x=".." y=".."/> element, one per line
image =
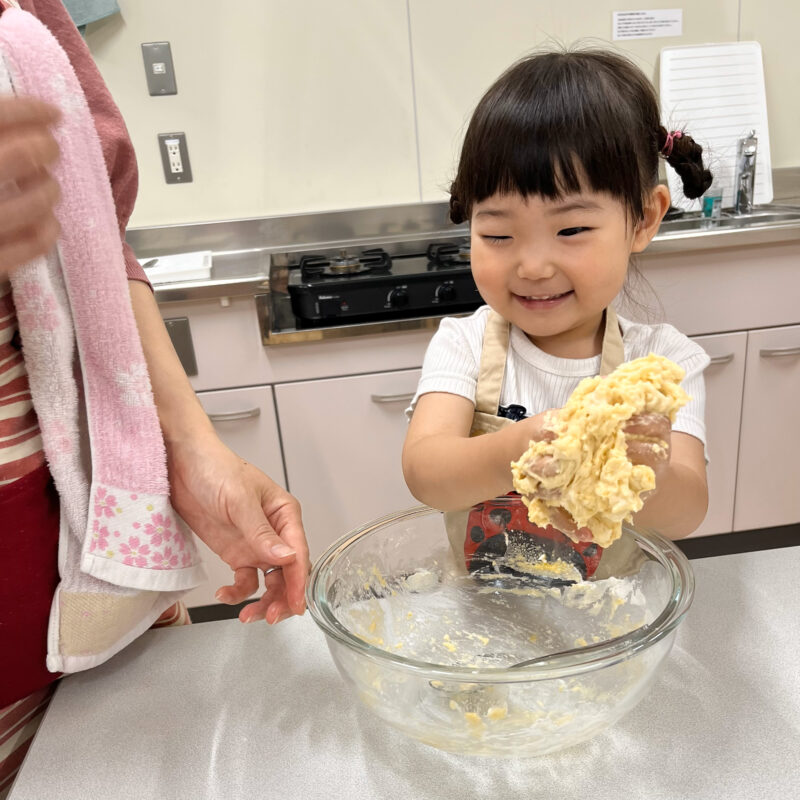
<point x="692" y="221"/>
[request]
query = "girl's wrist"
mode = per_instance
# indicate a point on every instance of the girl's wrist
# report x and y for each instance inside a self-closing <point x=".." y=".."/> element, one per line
<point x="535" y="429"/>
<point x="519" y="437"/>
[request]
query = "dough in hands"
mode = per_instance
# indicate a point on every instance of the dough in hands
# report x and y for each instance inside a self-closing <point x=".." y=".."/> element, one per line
<point x="594" y="480"/>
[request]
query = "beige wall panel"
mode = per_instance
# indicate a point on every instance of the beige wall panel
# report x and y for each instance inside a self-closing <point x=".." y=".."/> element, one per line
<point x="302" y="105"/>
<point x="461" y="46"/>
<point x="287" y="105"/>
<point x="775" y="23"/>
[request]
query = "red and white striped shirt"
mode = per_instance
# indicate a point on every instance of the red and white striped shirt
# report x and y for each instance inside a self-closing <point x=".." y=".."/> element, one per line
<point x="20" y="440"/>
<point x="18" y="724"/>
<point x="19" y="434"/>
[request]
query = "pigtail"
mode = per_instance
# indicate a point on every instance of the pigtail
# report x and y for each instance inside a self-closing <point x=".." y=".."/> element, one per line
<point x="685" y="156"/>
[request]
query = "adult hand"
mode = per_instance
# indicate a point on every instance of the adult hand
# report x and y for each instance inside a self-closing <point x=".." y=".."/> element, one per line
<point x="28" y="192"/>
<point x="249" y="521"/>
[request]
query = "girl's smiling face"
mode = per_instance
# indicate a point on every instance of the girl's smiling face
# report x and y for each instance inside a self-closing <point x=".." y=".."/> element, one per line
<point x="551" y="267"/>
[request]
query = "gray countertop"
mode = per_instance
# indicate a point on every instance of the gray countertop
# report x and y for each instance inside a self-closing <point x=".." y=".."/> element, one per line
<point x="223" y="710"/>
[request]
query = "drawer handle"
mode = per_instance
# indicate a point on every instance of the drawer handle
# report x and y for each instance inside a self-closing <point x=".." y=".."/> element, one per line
<point x="779" y="352"/>
<point x="722" y="359"/>
<point x="393" y="398"/>
<point x="227" y="416"/>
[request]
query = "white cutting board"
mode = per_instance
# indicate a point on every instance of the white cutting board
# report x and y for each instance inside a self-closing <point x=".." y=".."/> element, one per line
<point x="716" y="93"/>
<point x="178" y="267"/>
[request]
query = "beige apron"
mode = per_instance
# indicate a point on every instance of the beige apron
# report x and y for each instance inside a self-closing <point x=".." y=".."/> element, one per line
<point x="491" y="372"/>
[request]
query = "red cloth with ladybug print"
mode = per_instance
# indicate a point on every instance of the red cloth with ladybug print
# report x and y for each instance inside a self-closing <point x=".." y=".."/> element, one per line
<point x="493" y="525"/>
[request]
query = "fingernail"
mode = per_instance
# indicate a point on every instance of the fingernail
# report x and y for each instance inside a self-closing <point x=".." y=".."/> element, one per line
<point x="281" y="550"/>
<point x="218" y="596"/>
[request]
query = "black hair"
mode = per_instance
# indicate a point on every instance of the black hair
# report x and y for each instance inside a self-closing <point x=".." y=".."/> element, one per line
<point x="555" y="119"/>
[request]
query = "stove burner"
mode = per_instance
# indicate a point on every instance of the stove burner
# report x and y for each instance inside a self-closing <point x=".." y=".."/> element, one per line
<point x="343" y="265"/>
<point x="449" y="254"/>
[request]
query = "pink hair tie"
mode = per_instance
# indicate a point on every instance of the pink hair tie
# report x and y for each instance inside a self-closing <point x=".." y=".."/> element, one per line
<point x="667" y="148"/>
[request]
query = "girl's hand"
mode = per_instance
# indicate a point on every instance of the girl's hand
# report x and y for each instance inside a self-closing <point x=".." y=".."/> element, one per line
<point x="648" y="438"/>
<point x="562" y="521"/>
<point x="537" y="429"/>
<point x="648" y="442"/>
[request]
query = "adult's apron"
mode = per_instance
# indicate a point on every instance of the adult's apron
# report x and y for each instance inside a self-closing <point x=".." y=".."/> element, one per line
<point x="29" y="511"/>
<point x="485" y="419"/>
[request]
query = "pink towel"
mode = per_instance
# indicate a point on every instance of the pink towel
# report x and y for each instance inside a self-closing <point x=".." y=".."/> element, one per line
<point x="98" y="420"/>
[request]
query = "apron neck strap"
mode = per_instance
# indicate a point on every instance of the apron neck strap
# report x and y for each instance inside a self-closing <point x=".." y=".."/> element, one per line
<point x="495" y="350"/>
<point x="493" y="364"/>
<point x="613" y="353"/>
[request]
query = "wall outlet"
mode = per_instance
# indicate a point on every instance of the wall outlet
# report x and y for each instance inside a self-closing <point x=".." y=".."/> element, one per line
<point x="175" y="157"/>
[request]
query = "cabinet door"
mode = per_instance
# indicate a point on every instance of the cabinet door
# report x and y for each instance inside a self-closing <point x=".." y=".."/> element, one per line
<point x="342" y="440"/>
<point x="245" y="420"/>
<point x="724" y="379"/>
<point x="767" y="484"/>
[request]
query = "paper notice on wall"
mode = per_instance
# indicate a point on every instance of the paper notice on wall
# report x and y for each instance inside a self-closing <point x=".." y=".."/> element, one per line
<point x="648" y="24"/>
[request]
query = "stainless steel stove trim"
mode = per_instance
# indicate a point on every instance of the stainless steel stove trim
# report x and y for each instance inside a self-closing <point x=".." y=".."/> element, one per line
<point x="251" y="256"/>
<point x="308" y="231"/>
<point x="270" y="337"/>
<point x="210" y="290"/>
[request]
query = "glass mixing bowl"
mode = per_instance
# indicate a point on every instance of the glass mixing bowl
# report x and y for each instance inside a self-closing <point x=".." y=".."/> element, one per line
<point x="495" y="662"/>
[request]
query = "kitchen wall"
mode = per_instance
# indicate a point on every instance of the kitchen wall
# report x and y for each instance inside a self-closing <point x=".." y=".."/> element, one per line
<point x="304" y="105"/>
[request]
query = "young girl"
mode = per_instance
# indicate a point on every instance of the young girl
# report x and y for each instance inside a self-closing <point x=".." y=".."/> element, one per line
<point x="558" y="177"/>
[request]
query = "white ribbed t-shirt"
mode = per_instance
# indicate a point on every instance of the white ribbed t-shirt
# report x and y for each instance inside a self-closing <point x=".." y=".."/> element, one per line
<point x="538" y="381"/>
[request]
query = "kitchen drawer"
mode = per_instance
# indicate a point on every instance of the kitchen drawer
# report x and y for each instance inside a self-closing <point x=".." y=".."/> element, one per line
<point x="724" y="379"/>
<point x="767" y="484"/>
<point x="342" y="441"/>
<point x="226" y="340"/>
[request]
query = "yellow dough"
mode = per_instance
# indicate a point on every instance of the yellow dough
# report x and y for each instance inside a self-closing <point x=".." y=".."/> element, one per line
<point x="595" y="481"/>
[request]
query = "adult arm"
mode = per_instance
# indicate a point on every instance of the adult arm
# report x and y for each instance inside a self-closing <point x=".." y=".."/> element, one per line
<point x="238" y="511"/>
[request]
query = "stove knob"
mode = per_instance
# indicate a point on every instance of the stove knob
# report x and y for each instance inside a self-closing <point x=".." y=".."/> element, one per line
<point x="398" y="297"/>
<point x="445" y="292"/>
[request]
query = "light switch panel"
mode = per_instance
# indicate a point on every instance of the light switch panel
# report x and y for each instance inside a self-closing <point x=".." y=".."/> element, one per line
<point x="158" y="68"/>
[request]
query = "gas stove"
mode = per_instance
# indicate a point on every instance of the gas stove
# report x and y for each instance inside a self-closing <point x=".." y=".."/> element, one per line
<point x="364" y="284"/>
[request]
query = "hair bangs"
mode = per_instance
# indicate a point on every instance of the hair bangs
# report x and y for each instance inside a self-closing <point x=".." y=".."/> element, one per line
<point x="555" y="125"/>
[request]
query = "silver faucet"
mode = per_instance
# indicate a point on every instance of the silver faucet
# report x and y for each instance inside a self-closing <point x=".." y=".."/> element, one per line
<point x="745" y="181"/>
